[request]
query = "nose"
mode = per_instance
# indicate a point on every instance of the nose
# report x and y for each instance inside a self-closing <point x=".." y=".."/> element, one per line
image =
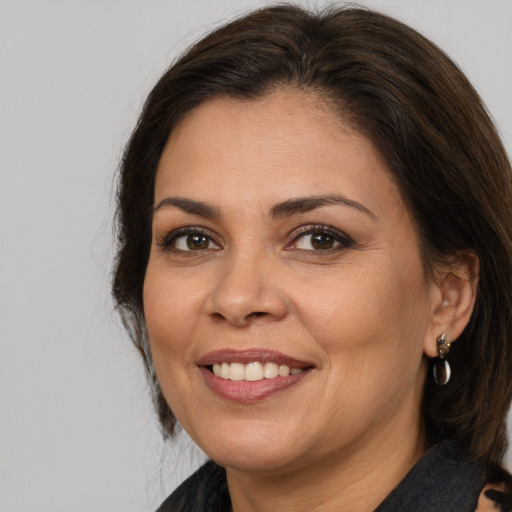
<point x="247" y="290"/>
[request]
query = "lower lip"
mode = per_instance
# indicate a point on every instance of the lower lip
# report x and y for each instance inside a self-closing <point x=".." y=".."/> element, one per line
<point x="249" y="391"/>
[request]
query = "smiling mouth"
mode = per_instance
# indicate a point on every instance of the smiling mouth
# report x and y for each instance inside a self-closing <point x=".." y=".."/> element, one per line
<point x="253" y="371"/>
<point x="251" y="375"/>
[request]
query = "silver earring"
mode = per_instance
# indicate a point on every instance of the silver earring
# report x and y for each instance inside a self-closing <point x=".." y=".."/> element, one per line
<point x="442" y="371"/>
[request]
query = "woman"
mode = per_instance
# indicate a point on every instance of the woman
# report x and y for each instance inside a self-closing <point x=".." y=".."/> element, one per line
<point x="316" y="269"/>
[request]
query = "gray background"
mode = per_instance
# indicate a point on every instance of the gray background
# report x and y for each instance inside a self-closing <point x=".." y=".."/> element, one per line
<point x="76" y="430"/>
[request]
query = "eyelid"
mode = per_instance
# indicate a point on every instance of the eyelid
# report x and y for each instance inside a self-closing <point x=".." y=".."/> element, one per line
<point x="165" y="241"/>
<point x="344" y="240"/>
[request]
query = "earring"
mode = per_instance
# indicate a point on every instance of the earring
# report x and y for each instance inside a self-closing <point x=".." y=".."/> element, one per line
<point x="442" y="371"/>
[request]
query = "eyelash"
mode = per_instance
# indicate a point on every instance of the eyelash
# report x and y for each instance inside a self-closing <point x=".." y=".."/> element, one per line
<point x="167" y="242"/>
<point x="343" y="240"/>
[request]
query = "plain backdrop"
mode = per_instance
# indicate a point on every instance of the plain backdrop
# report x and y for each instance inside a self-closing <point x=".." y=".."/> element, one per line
<point x="76" y="431"/>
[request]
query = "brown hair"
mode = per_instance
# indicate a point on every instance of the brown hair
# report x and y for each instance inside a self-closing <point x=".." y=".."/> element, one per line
<point x="428" y="124"/>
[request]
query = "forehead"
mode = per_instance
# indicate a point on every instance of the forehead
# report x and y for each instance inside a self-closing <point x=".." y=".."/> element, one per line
<point x="284" y="145"/>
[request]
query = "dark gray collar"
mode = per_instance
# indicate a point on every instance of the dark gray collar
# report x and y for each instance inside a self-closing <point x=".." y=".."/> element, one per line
<point x="444" y="480"/>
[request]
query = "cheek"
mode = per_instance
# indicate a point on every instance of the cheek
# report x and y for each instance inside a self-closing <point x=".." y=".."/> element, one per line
<point x="371" y="333"/>
<point x="170" y="311"/>
<point x="377" y="315"/>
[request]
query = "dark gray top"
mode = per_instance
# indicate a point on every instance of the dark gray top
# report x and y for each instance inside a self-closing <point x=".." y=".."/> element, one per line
<point x="443" y="480"/>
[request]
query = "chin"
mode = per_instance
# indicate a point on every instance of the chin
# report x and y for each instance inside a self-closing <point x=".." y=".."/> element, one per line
<point x="250" y="449"/>
<point x="255" y="460"/>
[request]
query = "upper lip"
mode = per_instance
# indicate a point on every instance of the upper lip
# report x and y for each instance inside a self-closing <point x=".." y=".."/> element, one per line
<point x="249" y="356"/>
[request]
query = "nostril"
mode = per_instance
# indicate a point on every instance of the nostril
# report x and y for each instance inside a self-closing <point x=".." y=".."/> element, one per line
<point x="256" y="314"/>
<point x="243" y="321"/>
<point x="217" y="316"/>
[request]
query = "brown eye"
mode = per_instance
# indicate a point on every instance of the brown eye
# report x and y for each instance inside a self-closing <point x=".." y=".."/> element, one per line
<point x="188" y="242"/>
<point x="197" y="242"/>
<point x="322" y="241"/>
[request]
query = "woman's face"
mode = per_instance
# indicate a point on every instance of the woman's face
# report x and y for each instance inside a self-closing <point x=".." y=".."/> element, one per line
<point x="280" y="243"/>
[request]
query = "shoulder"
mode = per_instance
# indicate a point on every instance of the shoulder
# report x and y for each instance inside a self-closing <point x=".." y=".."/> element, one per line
<point x="448" y="479"/>
<point x="497" y="494"/>
<point x="204" y="491"/>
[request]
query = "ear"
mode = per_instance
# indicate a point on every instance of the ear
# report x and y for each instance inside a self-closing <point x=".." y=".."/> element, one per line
<point x="453" y="298"/>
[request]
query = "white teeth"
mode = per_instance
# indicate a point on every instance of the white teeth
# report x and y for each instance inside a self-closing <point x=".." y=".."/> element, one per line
<point x="224" y="370"/>
<point x="253" y="371"/>
<point x="270" y="370"/>
<point x="284" y="371"/>
<point x="237" y="371"/>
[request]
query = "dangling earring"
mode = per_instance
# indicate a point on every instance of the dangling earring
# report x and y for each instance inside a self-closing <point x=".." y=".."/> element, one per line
<point x="442" y="371"/>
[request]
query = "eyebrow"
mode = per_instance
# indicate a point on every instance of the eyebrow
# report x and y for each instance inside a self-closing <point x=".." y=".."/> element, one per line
<point x="306" y="204"/>
<point x="189" y="206"/>
<point x="284" y="209"/>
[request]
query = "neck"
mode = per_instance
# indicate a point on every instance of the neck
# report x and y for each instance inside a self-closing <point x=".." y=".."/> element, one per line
<point x="357" y="480"/>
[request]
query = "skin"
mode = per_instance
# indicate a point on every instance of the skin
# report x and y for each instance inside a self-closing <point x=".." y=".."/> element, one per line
<point x="363" y="313"/>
